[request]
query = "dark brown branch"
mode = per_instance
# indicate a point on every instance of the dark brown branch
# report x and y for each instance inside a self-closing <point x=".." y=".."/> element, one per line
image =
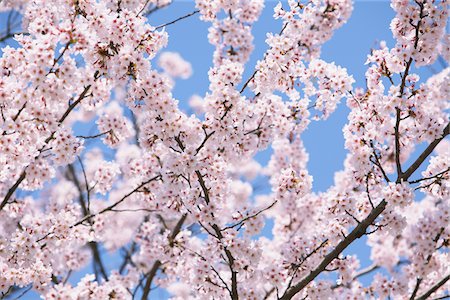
<point x="88" y="191"/>
<point x="64" y="281"/>
<point x="203" y="186"/>
<point x="258" y="129"/>
<point x="74" y="104"/>
<point x="234" y="292"/>
<point x="97" y="261"/>
<point x="225" y="285"/>
<point x="24" y="292"/>
<point x="150" y="276"/>
<point x="256" y="71"/>
<point x="378" y="163"/>
<point x="143" y="8"/>
<point x="440" y="174"/>
<point x="434" y="288"/>
<point x="19" y="112"/>
<point x="356" y="233"/>
<point x="248" y="81"/>
<point x="66" y="47"/>
<point x="352" y="216"/>
<point x="420" y="279"/>
<point x="416" y="288"/>
<point x="205" y="139"/>
<point x="296" y="267"/>
<point x="134" y="210"/>
<point x="442" y="297"/>
<point x="11" y="289"/>
<point x="136" y="128"/>
<point x="157" y="264"/>
<point x="8" y="36"/>
<point x="400" y="175"/>
<point x="207" y="230"/>
<point x="397" y="141"/>
<point x="361" y="228"/>
<point x="94" y="136"/>
<point x="268" y="293"/>
<point x="368" y="192"/>
<point x="177" y="229"/>
<point x="12" y="190"/>
<point x="416" y="164"/>
<point x="179" y="142"/>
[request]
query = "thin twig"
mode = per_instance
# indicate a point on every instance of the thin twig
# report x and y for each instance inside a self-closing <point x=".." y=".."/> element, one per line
<point x="249" y="217"/>
<point x="176" y="20"/>
<point x="94" y="136"/>
<point x="256" y="71"/>
<point x="430" y="177"/>
<point x="143" y="8"/>
<point x="24" y="292"/>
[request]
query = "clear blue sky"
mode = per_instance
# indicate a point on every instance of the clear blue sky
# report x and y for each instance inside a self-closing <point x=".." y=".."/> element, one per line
<point x="349" y="47"/>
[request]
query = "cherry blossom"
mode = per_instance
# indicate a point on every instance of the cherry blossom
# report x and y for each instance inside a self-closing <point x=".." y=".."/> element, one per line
<point x="174" y="65"/>
<point x="98" y="159"/>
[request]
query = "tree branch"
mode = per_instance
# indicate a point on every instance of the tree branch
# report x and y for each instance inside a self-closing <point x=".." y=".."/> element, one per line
<point x="150" y="276"/>
<point x="234" y="292"/>
<point x="440" y="174"/>
<point x="397" y="142"/>
<point x="176" y="20"/>
<point x="434" y="288"/>
<point x="111" y="207"/>
<point x="203" y="186"/>
<point x="249" y="217"/>
<point x="416" y="288"/>
<point x="356" y="233"/>
<point x="97" y="259"/>
<point x="23" y="174"/>
<point x="400" y="174"/>
<point x="157" y="264"/>
<point x="416" y="164"/>
<point x="361" y="228"/>
<point x="366" y="271"/>
<point x="256" y="71"/>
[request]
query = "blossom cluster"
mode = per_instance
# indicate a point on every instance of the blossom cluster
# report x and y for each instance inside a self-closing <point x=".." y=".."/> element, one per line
<point x="175" y="196"/>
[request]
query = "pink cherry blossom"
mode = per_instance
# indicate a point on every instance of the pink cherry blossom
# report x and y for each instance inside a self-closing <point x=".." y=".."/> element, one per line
<point x="99" y="160"/>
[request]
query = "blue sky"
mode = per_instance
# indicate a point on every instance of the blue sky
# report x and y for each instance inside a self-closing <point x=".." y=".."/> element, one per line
<point x="349" y="47"/>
